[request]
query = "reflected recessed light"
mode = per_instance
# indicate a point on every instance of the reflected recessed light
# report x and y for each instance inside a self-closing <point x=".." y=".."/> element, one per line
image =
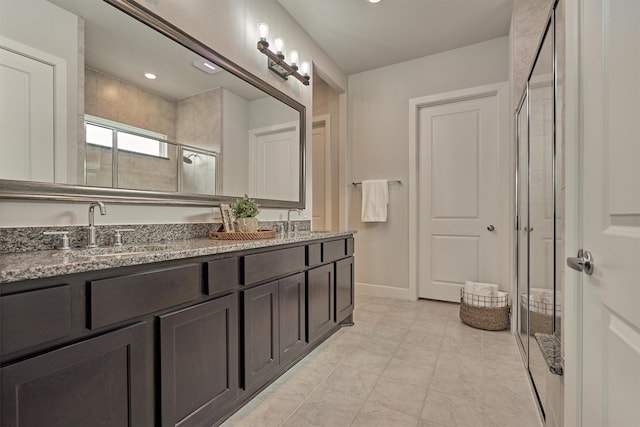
<point x="205" y="66"/>
<point x="150" y="76"/>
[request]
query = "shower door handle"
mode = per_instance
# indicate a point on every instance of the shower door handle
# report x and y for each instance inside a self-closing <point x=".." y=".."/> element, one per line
<point x="583" y="262"/>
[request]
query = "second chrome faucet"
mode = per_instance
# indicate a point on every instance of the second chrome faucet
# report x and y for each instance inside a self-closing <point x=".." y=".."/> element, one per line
<point x="91" y="235"/>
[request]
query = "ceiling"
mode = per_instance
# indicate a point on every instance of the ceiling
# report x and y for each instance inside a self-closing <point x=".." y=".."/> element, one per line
<point x="118" y="45"/>
<point x="361" y="36"/>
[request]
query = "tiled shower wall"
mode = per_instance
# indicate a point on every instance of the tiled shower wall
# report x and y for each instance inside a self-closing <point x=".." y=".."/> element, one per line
<point x="113" y="99"/>
<point x="529" y="17"/>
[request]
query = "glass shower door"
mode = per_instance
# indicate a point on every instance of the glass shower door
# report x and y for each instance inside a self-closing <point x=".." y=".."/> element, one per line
<point x="522" y="177"/>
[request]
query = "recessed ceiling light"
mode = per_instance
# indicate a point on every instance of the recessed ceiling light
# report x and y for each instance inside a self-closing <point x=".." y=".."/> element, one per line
<point x="374" y="1"/>
<point x="150" y="76"/>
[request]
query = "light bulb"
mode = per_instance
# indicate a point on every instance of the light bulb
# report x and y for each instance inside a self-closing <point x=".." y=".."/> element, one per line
<point x="304" y="68"/>
<point x="293" y="58"/>
<point x="278" y="44"/>
<point x="150" y="76"/>
<point x="263" y="30"/>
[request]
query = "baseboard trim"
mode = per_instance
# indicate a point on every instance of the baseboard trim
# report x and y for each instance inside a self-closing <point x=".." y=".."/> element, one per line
<point x="383" y="291"/>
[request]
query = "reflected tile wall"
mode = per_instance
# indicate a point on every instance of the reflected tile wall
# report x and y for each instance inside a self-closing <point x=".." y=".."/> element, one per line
<point x="528" y="19"/>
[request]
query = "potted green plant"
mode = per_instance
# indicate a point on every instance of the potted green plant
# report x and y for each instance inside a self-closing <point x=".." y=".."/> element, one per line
<point x="245" y="210"/>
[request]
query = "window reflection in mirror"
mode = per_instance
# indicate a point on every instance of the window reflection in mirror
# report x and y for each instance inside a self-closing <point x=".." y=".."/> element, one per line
<point x="240" y="139"/>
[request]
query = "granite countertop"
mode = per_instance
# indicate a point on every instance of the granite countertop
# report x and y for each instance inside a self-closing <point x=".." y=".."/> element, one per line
<point x="40" y="264"/>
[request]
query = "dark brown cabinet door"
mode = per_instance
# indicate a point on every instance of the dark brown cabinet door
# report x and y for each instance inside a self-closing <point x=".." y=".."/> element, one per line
<point x="344" y="288"/>
<point x="320" y="302"/>
<point x="261" y="334"/>
<point x="291" y="297"/>
<point x="98" y="382"/>
<point x="198" y="362"/>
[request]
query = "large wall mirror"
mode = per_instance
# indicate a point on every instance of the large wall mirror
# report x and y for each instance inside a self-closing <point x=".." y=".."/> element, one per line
<point x="105" y="99"/>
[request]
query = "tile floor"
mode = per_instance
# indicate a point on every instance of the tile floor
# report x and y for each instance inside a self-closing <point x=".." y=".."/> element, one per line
<point x="404" y="363"/>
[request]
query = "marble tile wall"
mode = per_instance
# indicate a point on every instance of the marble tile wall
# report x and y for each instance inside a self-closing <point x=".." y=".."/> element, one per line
<point x="117" y="100"/>
<point x="529" y="17"/>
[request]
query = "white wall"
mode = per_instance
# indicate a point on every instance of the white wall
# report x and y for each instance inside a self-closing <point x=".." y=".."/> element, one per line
<point x="229" y="27"/>
<point x="379" y="132"/>
<point x="235" y="150"/>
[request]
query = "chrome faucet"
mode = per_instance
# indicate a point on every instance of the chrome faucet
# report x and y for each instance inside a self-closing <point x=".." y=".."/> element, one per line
<point x="288" y="225"/>
<point x="92" y="227"/>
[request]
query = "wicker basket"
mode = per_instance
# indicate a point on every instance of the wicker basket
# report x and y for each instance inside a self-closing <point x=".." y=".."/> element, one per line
<point x="490" y="317"/>
<point x="260" y="234"/>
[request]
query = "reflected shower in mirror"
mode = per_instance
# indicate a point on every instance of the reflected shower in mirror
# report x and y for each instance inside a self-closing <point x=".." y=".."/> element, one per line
<point x="129" y="108"/>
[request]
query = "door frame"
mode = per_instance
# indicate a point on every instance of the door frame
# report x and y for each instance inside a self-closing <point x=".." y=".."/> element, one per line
<point x="572" y="321"/>
<point x="326" y="119"/>
<point x="506" y="187"/>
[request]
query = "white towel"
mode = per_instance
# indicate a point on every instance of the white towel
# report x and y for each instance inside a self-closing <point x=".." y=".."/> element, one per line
<point x="375" y="197"/>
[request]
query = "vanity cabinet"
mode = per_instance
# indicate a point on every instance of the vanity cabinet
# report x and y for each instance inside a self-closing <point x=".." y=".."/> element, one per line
<point x="320" y="302"/>
<point x="344" y="289"/>
<point x="198" y="362"/>
<point x="95" y="382"/>
<point x="274" y="327"/>
<point x="261" y="335"/>
<point x="292" y="320"/>
<point x="182" y="342"/>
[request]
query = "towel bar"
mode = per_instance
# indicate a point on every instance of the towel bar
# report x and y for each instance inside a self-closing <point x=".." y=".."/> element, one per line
<point x="389" y="180"/>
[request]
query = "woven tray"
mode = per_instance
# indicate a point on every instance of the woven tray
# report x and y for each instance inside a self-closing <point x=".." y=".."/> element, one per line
<point x="487" y="318"/>
<point x="260" y="234"/>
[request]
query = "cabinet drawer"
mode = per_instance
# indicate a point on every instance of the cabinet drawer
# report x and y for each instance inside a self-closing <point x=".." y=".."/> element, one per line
<point x="267" y="265"/>
<point x="314" y="254"/>
<point x="33" y="318"/>
<point x="222" y="275"/>
<point x="126" y="297"/>
<point x="350" y="246"/>
<point x="334" y="250"/>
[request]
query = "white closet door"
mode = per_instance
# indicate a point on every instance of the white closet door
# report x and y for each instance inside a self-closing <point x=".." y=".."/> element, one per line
<point x="610" y="205"/>
<point x="457" y="196"/>
<point x="26" y="118"/>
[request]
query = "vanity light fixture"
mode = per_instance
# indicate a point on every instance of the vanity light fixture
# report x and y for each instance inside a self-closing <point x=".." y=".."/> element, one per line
<point x="150" y="76"/>
<point x="276" y="62"/>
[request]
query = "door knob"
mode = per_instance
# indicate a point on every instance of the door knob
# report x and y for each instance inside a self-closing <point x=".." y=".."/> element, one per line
<point x="583" y="262"/>
<point x="491" y="228"/>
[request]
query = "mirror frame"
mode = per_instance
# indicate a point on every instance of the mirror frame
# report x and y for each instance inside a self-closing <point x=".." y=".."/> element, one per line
<point x="32" y="190"/>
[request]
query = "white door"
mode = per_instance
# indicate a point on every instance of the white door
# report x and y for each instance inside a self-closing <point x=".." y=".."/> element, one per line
<point x="610" y="204"/>
<point x="274" y="163"/>
<point x="26" y="118"/>
<point x="457" y="196"/>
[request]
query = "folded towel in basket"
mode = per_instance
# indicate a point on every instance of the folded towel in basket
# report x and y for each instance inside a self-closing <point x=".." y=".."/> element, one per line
<point x="480" y="294"/>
